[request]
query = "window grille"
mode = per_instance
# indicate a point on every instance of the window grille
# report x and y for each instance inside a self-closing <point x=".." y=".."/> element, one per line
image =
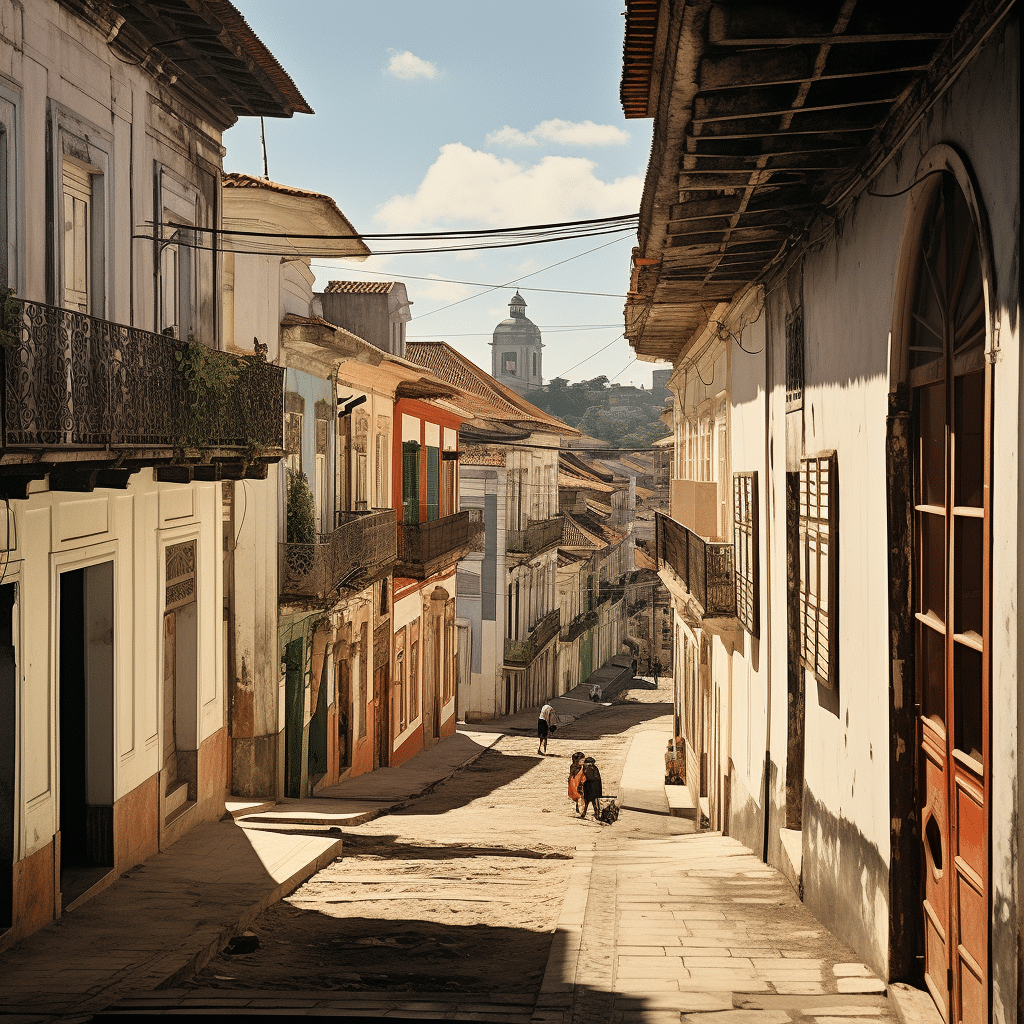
<point x="818" y="567"/>
<point x="795" y="359"/>
<point x="745" y="557"/>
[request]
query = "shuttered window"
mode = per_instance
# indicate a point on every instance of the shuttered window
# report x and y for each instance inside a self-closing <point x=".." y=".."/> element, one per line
<point x="818" y="567"/>
<point x="433" y="483"/>
<point x="745" y="553"/>
<point x="411" y="481"/>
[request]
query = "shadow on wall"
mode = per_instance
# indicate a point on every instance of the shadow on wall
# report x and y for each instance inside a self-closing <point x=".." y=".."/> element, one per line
<point x="846" y="882"/>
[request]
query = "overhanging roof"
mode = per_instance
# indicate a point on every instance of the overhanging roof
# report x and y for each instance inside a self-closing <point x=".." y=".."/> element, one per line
<point x="202" y="49"/>
<point x="766" y="116"/>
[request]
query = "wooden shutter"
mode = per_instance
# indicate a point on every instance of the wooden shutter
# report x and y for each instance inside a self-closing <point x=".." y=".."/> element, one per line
<point x="433" y="483"/>
<point x="819" y="539"/>
<point x="411" y="481"/>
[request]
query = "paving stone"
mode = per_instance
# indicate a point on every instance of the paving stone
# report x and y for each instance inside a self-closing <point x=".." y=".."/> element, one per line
<point x="739" y="1017"/>
<point x="819" y="1019"/>
<point x="852" y="971"/>
<point x="834" y="1013"/>
<point x="860" y="985"/>
<point x="794" y="988"/>
<point x="788" y="963"/>
<point x="724" y="962"/>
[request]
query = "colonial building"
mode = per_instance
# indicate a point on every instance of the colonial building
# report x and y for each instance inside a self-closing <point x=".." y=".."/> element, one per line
<point x="506" y="590"/>
<point x="829" y="254"/>
<point x="516" y="351"/>
<point x="120" y="415"/>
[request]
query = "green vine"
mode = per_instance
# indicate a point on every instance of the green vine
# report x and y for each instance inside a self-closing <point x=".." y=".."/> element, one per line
<point x="10" y="320"/>
<point x="209" y="378"/>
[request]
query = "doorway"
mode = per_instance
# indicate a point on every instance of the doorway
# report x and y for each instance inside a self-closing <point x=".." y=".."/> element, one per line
<point x="86" y="725"/>
<point x="294" y="655"/>
<point x="8" y="747"/>
<point x="951" y="401"/>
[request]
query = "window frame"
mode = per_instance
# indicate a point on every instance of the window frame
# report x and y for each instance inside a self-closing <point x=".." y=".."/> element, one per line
<point x="746" y="555"/>
<point x="819" y="535"/>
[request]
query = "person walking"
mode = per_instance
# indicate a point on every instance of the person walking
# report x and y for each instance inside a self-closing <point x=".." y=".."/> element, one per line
<point x="592" y="791"/>
<point x="546" y="722"/>
<point x="576" y="779"/>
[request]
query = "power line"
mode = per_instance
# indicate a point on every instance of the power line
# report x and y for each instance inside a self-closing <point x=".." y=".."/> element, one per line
<point x="486" y="334"/>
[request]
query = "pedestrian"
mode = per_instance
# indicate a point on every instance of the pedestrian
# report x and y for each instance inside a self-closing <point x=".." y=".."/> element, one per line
<point x="595" y="693"/>
<point x="546" y="722"/>
<point x="592" y="791"/>
<point x="575" y="778"/>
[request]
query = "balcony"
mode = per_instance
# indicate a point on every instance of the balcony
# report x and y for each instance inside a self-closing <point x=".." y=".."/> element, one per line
<point x="695" y="504"/>
<point x="608" y="591"/>
<point x="705" y="568"/>
<point x="523" y="652"/>
<point x="358" y="552"/>
<point x="427" y="548"/>
<point x="577" y="627"/>
<point x="92" y="402"/>
<point x="538" y="535"/>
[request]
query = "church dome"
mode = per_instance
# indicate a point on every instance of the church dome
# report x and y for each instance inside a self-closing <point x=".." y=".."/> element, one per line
<point x="517" y="325"/>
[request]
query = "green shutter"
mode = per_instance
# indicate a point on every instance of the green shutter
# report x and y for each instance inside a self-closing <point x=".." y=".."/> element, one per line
<point x="410" y="481"/>
<point x="433" y="482"/>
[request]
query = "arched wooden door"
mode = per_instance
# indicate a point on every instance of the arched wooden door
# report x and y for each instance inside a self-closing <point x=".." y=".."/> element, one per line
<point x="951" y="391"/>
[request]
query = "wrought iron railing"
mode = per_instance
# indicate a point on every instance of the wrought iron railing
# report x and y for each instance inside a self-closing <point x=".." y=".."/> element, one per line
<point x="609" y="591"/>
<point x="72" y="380"/>
<point x="422" y="546"/>
<point x="578" y="626"/>
<point x="358" y="552"/>
<point x="522" y="652"/>
<point x="705" y="568"/>
<point x="538" y="535"/>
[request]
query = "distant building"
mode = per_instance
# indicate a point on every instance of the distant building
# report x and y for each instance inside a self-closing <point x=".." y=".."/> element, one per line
<point x="659" y="385"/>
<point x="374" y="310"/>
<point x="516" y="350"/>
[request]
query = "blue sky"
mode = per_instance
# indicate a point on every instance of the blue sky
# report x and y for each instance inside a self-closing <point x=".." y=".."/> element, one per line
<point x="441" y="114"/>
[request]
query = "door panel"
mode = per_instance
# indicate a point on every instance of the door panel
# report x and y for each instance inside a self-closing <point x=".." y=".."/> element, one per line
<point x="952" y="411"/>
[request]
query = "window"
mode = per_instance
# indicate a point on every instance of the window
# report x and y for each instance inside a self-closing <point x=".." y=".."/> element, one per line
<point x="818" y="565"/>
<point x="414" y="677"/>
<point x="795" y="359"/>
<point x="411" y="481"/>
<point x="745" y="555"/>
<point x="449" y="489"/>
<point x="320" y="475"/>
<point x="508" y="363"/>
<point x="294" y="406"/>
<point x="382" y="499"/>
<point x="77" y="209"/>
<point x="401" y="678"/>
<point x="176" y="293"/>
<point x="433" y="483"/>
<point x="535" y="364"/>
<point x="8" y="198"/>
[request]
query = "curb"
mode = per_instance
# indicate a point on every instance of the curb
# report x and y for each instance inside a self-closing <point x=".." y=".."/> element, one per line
<point x="557" y="990"/>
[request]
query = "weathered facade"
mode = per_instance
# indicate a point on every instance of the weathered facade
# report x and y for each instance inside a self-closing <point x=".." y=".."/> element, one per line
<point x="119" y="418"/>
<point x="833" y="205"/>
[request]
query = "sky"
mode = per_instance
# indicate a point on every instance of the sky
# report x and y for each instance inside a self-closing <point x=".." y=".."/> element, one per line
<point x="445" y="114"/>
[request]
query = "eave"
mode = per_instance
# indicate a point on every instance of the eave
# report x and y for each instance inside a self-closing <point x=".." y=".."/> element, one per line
<point x="767" y="120"/>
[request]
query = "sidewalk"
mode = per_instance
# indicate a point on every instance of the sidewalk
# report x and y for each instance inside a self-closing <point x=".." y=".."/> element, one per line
<point x="696" y="928"/>
<point x="163" y="920"/>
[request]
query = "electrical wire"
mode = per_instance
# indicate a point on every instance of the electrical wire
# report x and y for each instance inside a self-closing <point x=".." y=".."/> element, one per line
<point x="904" y="191"/>
<point x="557" y="329"/>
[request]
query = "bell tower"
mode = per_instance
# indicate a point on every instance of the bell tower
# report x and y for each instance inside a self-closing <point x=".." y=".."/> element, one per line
<point x="516" y="350"/>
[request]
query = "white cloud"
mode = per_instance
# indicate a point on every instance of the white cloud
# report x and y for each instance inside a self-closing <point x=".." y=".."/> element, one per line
<point x="407" y="66"/>
<point x="511" y="137"/>
<point x="465" y="186"/>
<point x="565" y="133"/>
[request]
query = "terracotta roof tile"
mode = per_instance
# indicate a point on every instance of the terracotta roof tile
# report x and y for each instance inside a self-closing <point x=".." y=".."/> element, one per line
<point x="360" y="287"/>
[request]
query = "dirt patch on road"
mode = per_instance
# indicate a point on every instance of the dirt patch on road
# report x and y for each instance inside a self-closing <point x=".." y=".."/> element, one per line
<point x="407" y="917"/>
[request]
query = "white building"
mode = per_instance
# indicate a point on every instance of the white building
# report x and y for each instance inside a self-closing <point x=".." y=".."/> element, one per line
<point x="119" y="419"/>
<point x="830" y="242"/>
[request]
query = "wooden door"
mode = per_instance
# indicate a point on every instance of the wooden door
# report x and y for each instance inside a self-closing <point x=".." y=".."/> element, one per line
<point x="952" y="389"/>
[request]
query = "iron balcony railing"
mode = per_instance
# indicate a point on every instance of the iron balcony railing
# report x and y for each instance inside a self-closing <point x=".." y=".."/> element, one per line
<point x="609" y="591"/>
<point x="578" y="626"/>
<point x="424" y="548"/>
<point x="522" y="652"/>
<point x="538" y="535"/>
<point x="358" y="552"/>
<point x="75" y="381"/>
<point x="705" y="568"/>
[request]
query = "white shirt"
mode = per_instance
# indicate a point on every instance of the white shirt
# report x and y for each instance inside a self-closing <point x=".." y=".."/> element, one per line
<point x="548" y="713"/>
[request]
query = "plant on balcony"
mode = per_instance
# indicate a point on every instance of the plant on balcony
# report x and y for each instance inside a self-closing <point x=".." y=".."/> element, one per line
<point x="209" y="377"/>
<point x="300" y="522"/>
<point x="10" y="320"/>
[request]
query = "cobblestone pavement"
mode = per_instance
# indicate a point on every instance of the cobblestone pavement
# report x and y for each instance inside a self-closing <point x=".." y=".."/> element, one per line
<point x="489" y="884"/>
